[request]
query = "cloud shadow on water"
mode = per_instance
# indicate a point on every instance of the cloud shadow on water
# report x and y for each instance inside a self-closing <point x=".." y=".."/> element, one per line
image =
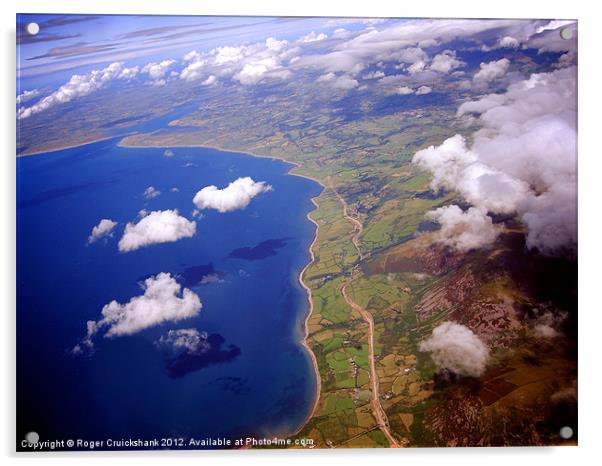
<point x="264" y="249"/>
<point x="186" y="362"/>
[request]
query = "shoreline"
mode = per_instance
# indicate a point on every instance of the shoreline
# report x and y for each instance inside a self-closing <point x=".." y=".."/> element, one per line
<point x="71" y="146"/>
<point x="232" y="151"/>
<point x="303" y="341"/>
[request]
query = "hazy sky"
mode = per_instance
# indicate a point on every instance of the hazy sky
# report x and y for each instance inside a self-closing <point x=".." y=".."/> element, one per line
<point x="68" y="41"/>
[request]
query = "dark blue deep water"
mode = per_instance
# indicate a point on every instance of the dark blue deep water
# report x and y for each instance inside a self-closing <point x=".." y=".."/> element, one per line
<point x="257" y="379"/>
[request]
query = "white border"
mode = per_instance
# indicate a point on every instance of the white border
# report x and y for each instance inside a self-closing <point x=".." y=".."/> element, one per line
<point x="590" y="200"/>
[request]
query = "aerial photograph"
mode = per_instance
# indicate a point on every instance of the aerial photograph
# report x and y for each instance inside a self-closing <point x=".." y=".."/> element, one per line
<point x="248" y="232"/>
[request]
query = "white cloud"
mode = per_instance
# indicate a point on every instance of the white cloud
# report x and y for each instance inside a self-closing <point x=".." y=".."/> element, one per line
<point x="548" y="38"/>
<point x="229" y="54"/>
<point x="553" y="25"/>
<point x="312" y="37"/>
<point x="129" y="73"/>
<point x="405" y="90"/>
<point x="546" y="323"/>
<point x="192" y="56"/>
<point x="505" y="42"/>
<point x="410" y="55"/>
<point x="209" y="81"/>
<point x="374" y="75"/>
<point x="545" y="331"/>
<point x="163" y="300"/>
<point x="276" y="45"/>
<point x="523" y="159"/>
<point x="344" y="81"/>
<point x="79" y="85"/>
<point x="464" y="231"/>
<point x="391" y="42"/>
<point x="160" y="226"/>
<point x="417" y="67"/>
<point x="237" y="195"/>
<point x="104" y="229"/>
<point x="158" y="70"/>
<point x="151" y="192"/>
<point x="341" y="33"/>
<point x="422" y="90"/>
<point x="445" y="62"/>
<point x="187" y="339"/>
<point x="456" y="348"/>
<point x="193" y="71"/>
<point x="27" y="95"/>
<point x="255" y="71"/>
<point x="508" y="42"/>
<point x="492" y="70"/>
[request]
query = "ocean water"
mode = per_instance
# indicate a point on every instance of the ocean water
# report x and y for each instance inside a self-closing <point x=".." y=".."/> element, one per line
<point x="256" y="380"/>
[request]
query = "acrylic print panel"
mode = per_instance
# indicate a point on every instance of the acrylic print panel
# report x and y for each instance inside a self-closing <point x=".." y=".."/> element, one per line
<point x="250" y="232"/>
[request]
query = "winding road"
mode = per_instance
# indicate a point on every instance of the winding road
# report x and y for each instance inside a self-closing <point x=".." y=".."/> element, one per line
<point x="377" y="408"/>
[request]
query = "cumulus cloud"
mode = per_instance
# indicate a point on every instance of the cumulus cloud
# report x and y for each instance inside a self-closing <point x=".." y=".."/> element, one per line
<point x="422" y="90"/>
<point x="312" y="37"/>
<point x="192" y="56"/>
<point x="251" y="64"/>
<point x="464" y="231"/>
<point x="374" y="75"/>
<point x="79" y="85"/>
<point x="151" y="192"/>
<point x="160" y="226"/>
<point x="445" y="62"/>
<point x="545" y="331"/>
<point x="522" y="161"/>
<point x="186" y="339"/>
<point x="410" y="55"/>
<point x="344" y="81"/>
<point x="104" y="229"/>
<point x="341" y="33"/>
<point x="27" y="95"/>
<point x="417" y="67"/>
<point x="546" y="324"/>
<point x="209" y="81"/>
<point x="237" y="195"/>
<point x="193" y="71"/>
<point x="405" y="90"/>
<point x="548" y="39"/>
<point x="129" y="73"/>
<point x="163" y="300"/>
<point x="456" y="348"/>
<point x="158" y="70"/>
<point x="276" y="45"/>
<point x="404" y="42"/>
<point x="229" y="54"/>
<point x="492" y="70"/>
<point x="508" y="42"/>
<point x="254" y="71"/>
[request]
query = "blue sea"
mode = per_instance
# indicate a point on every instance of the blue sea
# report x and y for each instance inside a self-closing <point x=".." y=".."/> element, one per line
<point x="257" y="380"/>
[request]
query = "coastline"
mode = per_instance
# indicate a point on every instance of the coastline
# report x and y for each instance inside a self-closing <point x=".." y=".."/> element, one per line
<point x="71" y="146"/>
<point x="307" y="317"/>
<point x="303" y="342"/>
<point x="232" y="151"/>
